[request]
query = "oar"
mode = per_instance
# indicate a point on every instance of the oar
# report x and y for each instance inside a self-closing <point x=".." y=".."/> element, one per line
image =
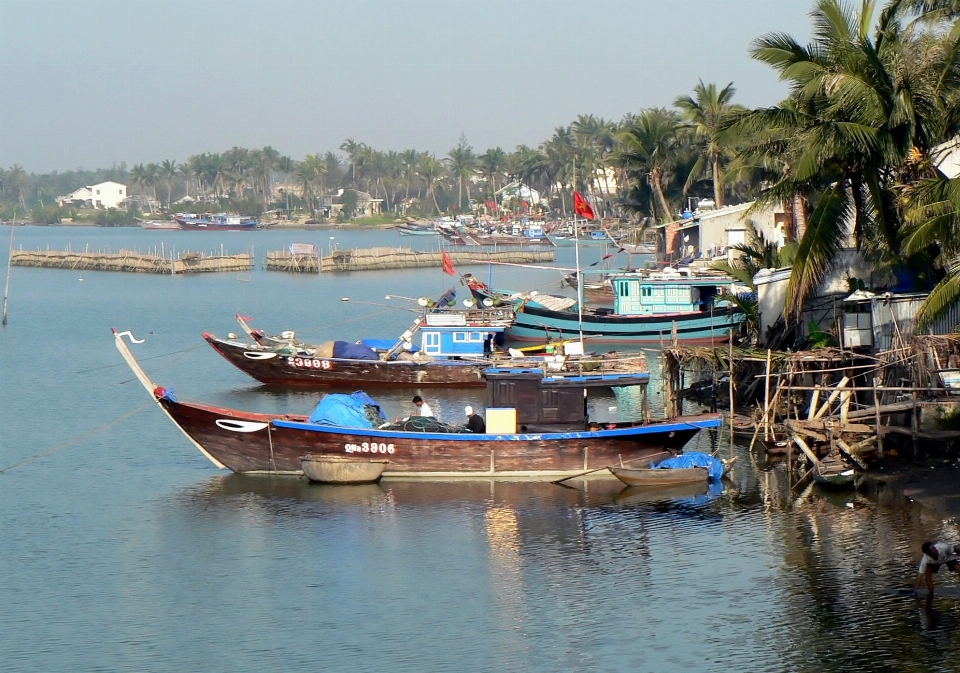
<point x="607" y="467"/>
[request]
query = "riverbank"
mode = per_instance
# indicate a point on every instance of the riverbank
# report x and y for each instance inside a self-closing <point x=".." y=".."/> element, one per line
<point x="935" y="484"/>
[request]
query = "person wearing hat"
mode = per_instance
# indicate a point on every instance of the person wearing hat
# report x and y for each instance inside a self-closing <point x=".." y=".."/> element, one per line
<point x="475" y="423"/>
<point x="424" y="408"/>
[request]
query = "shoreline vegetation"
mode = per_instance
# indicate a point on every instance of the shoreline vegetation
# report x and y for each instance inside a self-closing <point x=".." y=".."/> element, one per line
<point x="852" y="155"/>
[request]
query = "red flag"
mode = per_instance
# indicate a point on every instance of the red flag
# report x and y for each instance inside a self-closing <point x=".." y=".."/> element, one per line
<point x="581" y="207"/>
<point x="448" y="265"/>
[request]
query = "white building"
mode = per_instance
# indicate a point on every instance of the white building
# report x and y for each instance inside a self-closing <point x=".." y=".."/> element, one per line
<point x="107" y="194"/>
<point x="82" y="195"/>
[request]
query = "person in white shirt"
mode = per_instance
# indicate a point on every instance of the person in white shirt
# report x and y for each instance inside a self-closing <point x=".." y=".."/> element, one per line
<point x="936" y="554"/>
<point x="424" y="408"/>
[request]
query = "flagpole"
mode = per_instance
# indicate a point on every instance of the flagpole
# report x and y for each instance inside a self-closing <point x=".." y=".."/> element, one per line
<point x="576" y="243"/>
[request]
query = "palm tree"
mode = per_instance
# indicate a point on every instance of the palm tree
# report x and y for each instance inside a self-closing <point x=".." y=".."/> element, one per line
<point x="462" y="163"/>
<point x="430" y="171"/>
<point x="859" y="107"/>
<point x="706" y="113"/>
<point x="648" y="152"/>
<point x="168" y="173"/>
<point x="353" y="149"/>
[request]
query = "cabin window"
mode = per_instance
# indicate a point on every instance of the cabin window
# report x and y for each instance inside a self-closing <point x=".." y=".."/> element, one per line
<point x="431" y="342"/>
<point x="466" y="337"/>
<point x="647" y="291"/>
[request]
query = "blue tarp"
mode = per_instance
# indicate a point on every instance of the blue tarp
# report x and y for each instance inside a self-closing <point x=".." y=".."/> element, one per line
<point x="383" y="344"/>
<point x="345" y="349"/>
<point x="346" y="411"/>
<point x="694" y="459"/>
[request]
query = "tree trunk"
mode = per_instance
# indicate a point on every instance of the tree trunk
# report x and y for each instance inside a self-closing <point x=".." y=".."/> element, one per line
<point x="717" y="185"/>
<point x="661" y="197"/>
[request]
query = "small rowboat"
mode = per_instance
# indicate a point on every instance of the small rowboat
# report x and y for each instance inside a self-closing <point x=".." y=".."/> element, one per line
<point x="666" y="477"/>
<point x="645" y="476"/>
<point x="342" y="470"/>
<point x="835" y="479"/>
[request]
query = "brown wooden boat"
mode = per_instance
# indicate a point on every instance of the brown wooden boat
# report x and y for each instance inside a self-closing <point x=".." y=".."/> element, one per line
<point x="272" y="366"/>
<point x="645" y="476"/>
<point x="666" y="477"/>
<point x="551" y="437"/>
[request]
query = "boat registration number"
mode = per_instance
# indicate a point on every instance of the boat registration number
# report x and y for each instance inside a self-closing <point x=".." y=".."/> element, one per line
<point x="310" y="363"/>
<point x="369" y="447"/>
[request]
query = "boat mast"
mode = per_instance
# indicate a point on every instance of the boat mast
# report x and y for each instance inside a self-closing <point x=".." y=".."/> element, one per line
<point x="6" y="291"/>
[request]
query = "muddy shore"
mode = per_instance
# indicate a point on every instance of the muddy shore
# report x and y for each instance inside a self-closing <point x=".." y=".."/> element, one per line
<point x="933" y="484"/>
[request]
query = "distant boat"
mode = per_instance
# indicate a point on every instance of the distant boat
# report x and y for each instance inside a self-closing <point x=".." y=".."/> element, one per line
<point x="218" y="222"/>
<point x="417" y="229"/>
<point x="159" y="224"/>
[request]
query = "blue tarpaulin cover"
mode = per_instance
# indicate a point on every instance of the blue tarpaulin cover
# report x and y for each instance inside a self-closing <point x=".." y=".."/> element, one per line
<point x="383" y="344"/>
<point x="694" y="459"/>
<point x="345" y="349"/>
<point x="345" y="411"/>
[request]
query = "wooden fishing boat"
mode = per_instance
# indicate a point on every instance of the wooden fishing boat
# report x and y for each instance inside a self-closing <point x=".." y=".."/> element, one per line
<point x="537" y="427"/>
<point x="451" y="353"/>
<point x="342" y="469"/>
<point x="647" y="308"/>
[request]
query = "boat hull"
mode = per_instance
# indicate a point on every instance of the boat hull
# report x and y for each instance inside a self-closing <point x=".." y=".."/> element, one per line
<point x="533" y="323"/>
<point x="274" y="368"/>
<point x="649" y="477"/>
<point x="252" y="442"/>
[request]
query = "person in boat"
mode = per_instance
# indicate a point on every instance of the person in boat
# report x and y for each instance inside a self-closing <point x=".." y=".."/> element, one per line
<point x="936" y="554"/>
<point x="423" y="407"/>
<point x="475" y="422"/>
<point x="488" y="345"/>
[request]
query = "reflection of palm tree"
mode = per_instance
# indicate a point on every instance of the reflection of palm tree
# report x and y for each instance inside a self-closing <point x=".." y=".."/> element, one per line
<point x="705" y="113"/>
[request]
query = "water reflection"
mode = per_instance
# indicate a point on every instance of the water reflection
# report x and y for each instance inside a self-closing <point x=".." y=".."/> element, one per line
<point x="779" y="580"/>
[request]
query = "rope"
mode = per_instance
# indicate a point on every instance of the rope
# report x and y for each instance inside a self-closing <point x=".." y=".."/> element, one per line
<point x="77" y="439"/>
<point x="124" y="364"/>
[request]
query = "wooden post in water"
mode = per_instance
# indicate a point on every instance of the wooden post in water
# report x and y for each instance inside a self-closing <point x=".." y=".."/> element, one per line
<point x="6" y="291"/>
<point x="730" y="386"/>
<point x="876" y="409"/>
<point x="766" y="398"/>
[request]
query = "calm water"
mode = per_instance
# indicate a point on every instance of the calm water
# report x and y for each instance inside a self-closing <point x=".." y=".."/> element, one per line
<point x="127" y="550"/>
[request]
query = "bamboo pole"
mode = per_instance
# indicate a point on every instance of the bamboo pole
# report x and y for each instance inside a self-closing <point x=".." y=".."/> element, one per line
<point x="766" y="397"/>
<point x="6" y="291"/>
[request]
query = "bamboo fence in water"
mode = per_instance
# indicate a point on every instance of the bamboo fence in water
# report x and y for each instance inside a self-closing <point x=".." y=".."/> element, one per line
<point x="363" y="259"/>
<point x="133" y="261"/>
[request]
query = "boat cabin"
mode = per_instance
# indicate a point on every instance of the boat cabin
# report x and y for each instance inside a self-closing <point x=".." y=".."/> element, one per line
<point x="533" y="400"/>
<point x="645" y="295"/>
<point x="455" y="334"/>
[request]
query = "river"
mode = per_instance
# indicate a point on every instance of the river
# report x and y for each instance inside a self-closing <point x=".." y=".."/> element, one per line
<point x="123" y="548"/>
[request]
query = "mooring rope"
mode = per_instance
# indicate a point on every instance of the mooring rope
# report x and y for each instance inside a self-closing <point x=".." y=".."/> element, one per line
<point x="77" y="439"/>
<point x="124" y="364"/>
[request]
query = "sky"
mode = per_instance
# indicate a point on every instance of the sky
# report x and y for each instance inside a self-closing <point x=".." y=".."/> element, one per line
<point x="92" y="83"/>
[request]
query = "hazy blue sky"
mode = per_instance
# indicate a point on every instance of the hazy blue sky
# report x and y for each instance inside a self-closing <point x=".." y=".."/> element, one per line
<point x="87" y="83"/>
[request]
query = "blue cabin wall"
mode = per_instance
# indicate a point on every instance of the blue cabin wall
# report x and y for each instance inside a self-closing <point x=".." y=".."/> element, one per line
<point x="454" y="341"/>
